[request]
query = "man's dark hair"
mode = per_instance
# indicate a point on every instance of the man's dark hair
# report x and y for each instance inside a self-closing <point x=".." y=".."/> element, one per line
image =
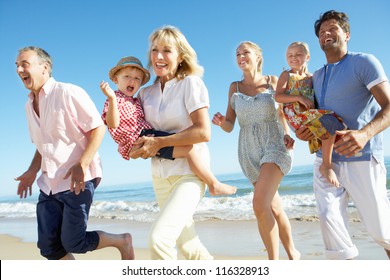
<point x="341" y="18"/>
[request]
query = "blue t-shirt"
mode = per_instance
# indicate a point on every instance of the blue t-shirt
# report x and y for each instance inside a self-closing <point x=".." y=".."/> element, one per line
<point x="344" y="87"/>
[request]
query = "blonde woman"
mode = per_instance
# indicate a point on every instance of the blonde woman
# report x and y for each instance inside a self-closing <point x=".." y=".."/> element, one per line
<point x="263" y="146"/>
<point x="177" y="103"/>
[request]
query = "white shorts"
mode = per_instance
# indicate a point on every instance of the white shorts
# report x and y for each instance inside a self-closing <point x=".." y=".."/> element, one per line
<point x="365" y="183"/>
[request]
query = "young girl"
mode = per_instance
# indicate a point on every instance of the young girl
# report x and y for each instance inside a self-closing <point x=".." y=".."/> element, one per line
<point x="124" y="116"/>
<point x="295" y="90"/>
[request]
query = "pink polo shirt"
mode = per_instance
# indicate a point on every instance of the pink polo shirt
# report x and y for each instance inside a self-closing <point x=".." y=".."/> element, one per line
<point x="67" y="114"/>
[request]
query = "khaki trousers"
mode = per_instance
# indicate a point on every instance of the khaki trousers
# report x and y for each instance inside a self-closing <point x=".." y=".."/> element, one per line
<point x="177" y="197"/>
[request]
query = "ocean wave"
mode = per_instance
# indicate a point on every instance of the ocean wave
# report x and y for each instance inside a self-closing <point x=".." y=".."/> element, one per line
<point x="17" y="210"/>
<point x="231" y="208"/>
<point x="221" y="208"/>
<point x="125" y="210"/>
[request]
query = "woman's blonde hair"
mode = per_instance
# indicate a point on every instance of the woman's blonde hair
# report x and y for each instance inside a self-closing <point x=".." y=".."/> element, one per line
<point x="305" y="47"/>
<point x="171" y="35"/>
<point x="258" y="51"/>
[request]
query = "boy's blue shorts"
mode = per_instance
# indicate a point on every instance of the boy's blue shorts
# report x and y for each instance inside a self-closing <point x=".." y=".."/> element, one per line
<point x="166" y="152"/>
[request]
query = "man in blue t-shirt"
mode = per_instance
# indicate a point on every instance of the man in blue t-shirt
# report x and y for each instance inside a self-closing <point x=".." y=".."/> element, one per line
<point x="355" y="86"/>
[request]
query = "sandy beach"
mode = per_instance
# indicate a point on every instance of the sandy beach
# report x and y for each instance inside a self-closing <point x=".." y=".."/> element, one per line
<point x="226" y="240"/>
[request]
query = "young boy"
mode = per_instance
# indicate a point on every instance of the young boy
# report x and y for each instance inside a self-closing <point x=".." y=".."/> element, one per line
<point x="124" y="116"/>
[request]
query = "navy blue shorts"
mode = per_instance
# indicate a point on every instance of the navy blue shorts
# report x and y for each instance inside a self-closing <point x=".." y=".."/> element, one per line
<point x="166" y="152"/>
<point x="62" y="223"/>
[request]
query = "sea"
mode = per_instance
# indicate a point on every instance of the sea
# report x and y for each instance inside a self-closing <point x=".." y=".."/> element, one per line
<point x="136" y="201"/>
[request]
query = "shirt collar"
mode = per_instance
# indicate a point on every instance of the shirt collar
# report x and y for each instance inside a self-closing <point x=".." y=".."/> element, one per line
<point x="171" y="82"/>
<point x="338" y="62"/>
<point x="45" y="89"/>
<point x="168" y="84"/>
<point x="48" y="85"/>
<point x="122" y="95"/>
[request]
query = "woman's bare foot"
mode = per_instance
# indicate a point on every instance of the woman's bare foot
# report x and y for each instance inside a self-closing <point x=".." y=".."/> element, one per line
<point x="127" y="250"/>
<point x="221" y="189"/>
<point x="295" y="256"/>
<point x="329" y="174"/>
<point x="388" y="253"/>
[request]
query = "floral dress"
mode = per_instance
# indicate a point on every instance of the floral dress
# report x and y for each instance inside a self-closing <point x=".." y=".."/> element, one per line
<point x="322" y="123"/>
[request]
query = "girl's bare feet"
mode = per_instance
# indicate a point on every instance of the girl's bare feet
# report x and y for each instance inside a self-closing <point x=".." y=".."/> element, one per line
<point x="329" y="174"/>
<point x="221" y="189"/>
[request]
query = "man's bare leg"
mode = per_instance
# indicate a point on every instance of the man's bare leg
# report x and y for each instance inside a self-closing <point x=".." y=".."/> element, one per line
<point x="67" y="257"/>
<point x="123" y="242"/>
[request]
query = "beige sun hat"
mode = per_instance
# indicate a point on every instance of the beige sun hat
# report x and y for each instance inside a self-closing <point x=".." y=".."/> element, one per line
<point x="132" y="62"/>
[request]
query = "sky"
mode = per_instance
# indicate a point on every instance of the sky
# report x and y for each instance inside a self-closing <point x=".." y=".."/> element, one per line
<point x="87" y="38"/>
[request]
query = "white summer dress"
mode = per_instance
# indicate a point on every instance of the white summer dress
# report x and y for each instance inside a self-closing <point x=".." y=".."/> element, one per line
<point x="261" y="138"/>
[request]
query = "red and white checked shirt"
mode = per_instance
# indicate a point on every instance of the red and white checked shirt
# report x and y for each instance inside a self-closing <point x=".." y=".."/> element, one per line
<point x="132" y="122"/>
